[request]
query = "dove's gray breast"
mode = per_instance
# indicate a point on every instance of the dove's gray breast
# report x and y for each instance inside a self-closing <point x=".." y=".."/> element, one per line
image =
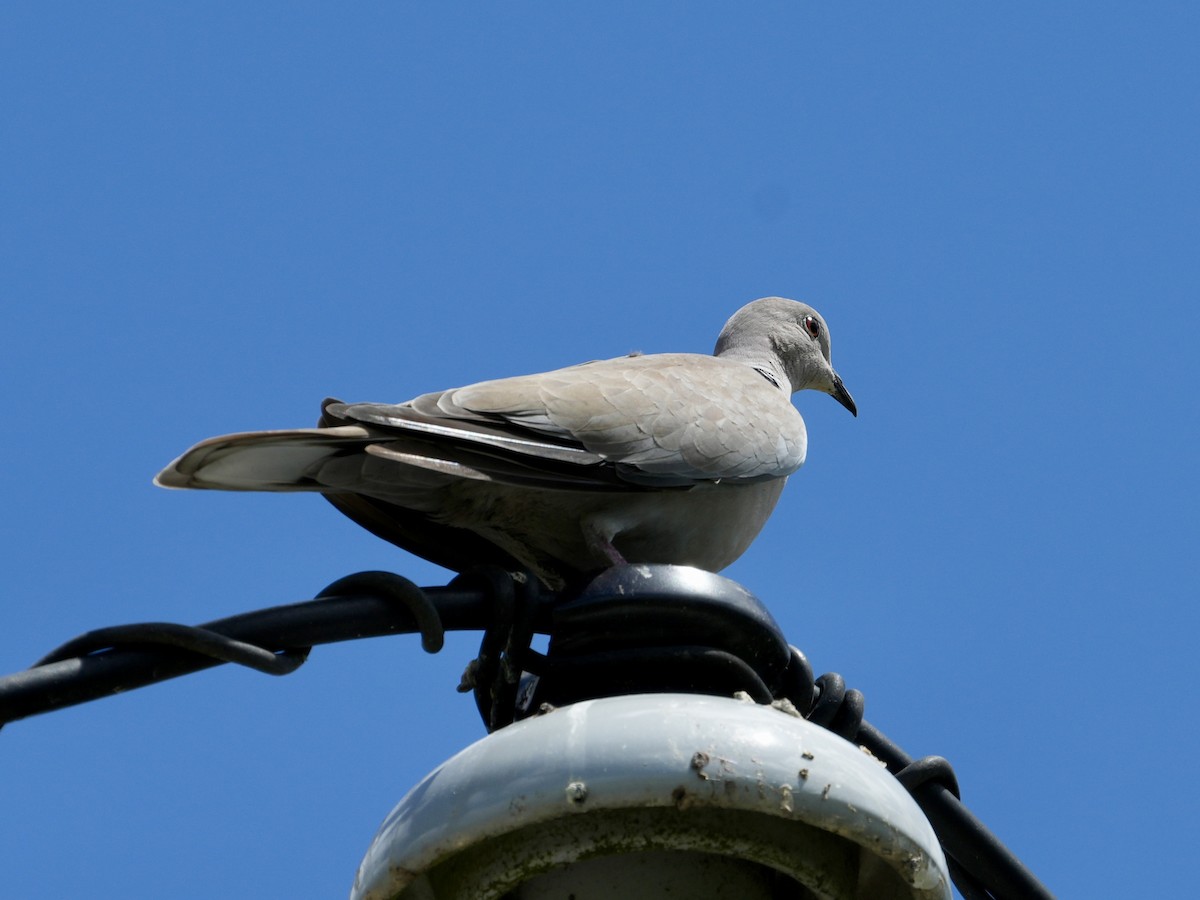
<point x="708" y="525"/>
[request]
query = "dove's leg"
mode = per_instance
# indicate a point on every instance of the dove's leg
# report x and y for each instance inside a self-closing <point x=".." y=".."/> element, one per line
<point x="613" y="554"/>
<point x="599" y="542"/>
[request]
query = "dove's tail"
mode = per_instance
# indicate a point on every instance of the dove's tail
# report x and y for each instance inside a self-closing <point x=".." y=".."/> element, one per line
<point x="292" y="460"/>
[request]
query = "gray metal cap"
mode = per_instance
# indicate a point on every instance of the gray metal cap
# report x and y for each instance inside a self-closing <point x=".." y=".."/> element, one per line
<point x="656" y="794"/>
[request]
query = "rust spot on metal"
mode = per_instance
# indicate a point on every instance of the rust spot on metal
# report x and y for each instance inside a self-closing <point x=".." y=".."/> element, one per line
<point x="681" y="798"/>
<point x="577" y="792"/>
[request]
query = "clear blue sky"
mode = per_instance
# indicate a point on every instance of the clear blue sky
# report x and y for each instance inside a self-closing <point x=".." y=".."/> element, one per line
<point x="213" y="216"/>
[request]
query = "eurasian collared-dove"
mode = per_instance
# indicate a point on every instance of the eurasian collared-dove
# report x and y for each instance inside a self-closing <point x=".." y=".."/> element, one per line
<point x="666" y="458"/>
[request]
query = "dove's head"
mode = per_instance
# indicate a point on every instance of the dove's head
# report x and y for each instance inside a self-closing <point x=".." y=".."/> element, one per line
<point x="788" y="342"/>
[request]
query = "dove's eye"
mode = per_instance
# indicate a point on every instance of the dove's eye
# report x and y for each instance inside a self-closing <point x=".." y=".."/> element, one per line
<point x="812" y="326"/>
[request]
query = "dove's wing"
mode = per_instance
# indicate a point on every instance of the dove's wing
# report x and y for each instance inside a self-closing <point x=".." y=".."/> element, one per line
<point x="657" y="421"/>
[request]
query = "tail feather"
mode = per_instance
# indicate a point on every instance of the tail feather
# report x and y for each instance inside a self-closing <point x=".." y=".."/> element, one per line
<point x="263" y="460"/>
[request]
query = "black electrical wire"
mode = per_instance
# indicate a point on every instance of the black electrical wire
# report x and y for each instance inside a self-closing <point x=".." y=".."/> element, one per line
<point x="113" y="660"/>
<point x="508" y="611"/>
<point x="981" y="867"/>
<point x="965" y="839"/>
<point x="200" y="641"/>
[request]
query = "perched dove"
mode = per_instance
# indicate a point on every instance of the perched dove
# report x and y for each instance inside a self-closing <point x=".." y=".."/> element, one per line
<point x="666" y="458"/>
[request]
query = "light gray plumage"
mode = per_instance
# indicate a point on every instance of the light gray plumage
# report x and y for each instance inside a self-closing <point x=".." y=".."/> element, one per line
<point x="667" y="458"/>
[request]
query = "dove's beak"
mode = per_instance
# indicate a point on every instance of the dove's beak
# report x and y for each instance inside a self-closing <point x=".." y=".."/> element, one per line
<point x="842" y="396"/>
